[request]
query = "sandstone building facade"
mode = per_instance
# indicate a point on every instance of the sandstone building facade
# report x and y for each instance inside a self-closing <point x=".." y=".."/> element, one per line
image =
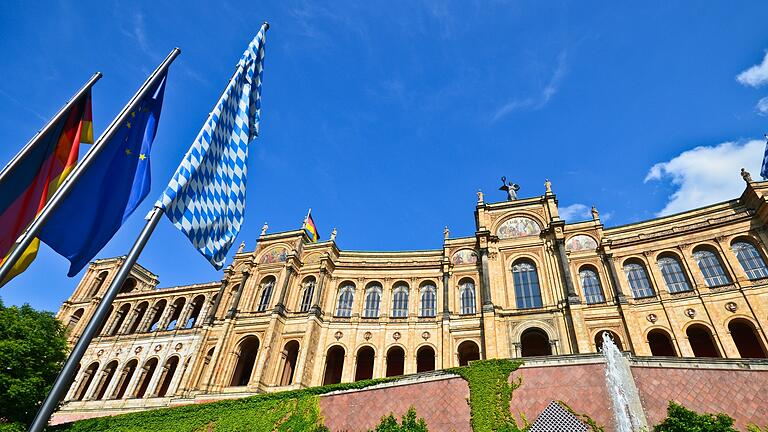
<point x="294" y="314"/>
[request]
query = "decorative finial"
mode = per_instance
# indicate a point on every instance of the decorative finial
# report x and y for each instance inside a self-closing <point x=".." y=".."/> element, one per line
<point x="446" y="232"/>
<point x="242" y="246"/>
<point x="548" y="186"/>
<point x="333" y="234"/>
<point x="746" y="176"/>
<point x="595" y="214"/>
<point x="266" y="25"/>
<point x="511" y="188"/>
<point x="479" y="196"/>
<point x="264" y="229"/>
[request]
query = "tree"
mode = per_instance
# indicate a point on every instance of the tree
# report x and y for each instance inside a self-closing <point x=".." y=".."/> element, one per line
<point x="33" y="347"/>
<point x="680" y="419"/>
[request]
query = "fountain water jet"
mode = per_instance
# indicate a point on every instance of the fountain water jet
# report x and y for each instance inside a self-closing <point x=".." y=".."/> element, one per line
<point x="621" y="387"/>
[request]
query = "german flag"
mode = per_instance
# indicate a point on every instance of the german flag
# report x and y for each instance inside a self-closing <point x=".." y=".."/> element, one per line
<point x="310" y="228"/>
<point x="34" y="179"/>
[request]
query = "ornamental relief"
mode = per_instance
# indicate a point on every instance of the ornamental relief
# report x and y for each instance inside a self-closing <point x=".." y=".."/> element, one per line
<point x="516" y="227"/>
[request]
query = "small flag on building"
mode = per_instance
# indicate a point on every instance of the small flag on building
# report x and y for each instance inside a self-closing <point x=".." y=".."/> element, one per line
<point x="38" y="173"/>
<point x="110" y="189"/>
<point x="206" y="196"/>
<point x="310" y="228"/>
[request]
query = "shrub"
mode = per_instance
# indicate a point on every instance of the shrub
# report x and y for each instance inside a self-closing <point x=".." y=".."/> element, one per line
<point x="409" y="423"/>
<point x="680" y="419"/>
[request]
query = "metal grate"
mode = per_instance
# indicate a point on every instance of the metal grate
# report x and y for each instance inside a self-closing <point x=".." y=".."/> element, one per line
<point x="555" y="418"/>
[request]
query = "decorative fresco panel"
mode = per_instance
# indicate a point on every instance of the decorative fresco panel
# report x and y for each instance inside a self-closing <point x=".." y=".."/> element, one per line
<point x="518" y="227"/>
<point x="580" y="243"/>
<point x="464" y="256"/>
<point x="273" y="256"/>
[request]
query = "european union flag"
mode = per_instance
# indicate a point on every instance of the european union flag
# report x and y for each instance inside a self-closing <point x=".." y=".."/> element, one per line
<point x="110" y="189"/>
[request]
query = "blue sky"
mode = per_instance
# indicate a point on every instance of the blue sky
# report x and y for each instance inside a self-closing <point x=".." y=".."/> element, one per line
<point x="386" y="117"/>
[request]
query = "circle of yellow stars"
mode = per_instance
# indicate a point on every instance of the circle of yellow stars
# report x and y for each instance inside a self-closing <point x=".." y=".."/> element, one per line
<point x="129" y="152"/>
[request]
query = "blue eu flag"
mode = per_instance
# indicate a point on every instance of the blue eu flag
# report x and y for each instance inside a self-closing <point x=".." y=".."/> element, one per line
<point x="110" y="189"/>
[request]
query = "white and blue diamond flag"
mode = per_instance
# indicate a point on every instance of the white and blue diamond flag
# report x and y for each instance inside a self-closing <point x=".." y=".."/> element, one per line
<point x="206" y="197"/>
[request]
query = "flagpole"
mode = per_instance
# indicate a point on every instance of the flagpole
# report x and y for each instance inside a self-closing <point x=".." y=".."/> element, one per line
<point x="64" y="380"/>
<point x="51" y="123"/>
<point x="21" y="244"/>
<point x="306" y="218"/>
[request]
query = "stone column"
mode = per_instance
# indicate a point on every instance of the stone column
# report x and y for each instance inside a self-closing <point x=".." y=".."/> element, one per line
<point x="280" y="306"/>
<point x="485" y="279"/>
<point x="128" y="321"/>
<point x="318" y="294"/>
<point x="446" y="306"/>
<point x="212" y="312"/>
<point x="565" y="271"/>
<point x="236" y="302"/>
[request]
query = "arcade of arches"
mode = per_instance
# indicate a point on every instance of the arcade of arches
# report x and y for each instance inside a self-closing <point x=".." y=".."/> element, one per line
<point x="290" y="313"/>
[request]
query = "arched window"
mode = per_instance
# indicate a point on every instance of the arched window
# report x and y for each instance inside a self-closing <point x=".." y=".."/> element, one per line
<point x="197" y="307"/>
<point x="306" y="296"/>
<point x="266" y="294"/>
<point x="128" y="286"/>
<point x="372" y="301"/>
<point x="674" y="277"/>
<point x="178" y="308"/>
<point x="121" y="314"/>
<point x="334" y="365"/>
<point x="746" y="338"/>
<point x="169" y="370"/>
<point x="751" y="260"/>
<point x="468" y="351"/>
<point x="428" y="300"/>
<point x="701" y="341"/>
<point x="467" y="296"/>
<point x="75" y="318"/>
<point x="710" y="267"/>
<point x="638" y="280"/>
<point x="395" y="361"/>
<point x="660" y="343"/>
<point x="365" y="361"/>
<point x="291" y="352"/>
<point x="535" y="342"/>
<point x="614" y="337"/>
<point x="590" y="284"/>
<point x="400" y="301"/>
<point x="346" y="297"/>
<point x="527" y="291"/>
<point x="425" y="359"/>
<point x="106" y="377"/>
<point x="138" y="317"/>
<point x="125" y="379"/>
<point x="86" y="380"/>
<point x="147" y="373"/>
<point x="98" y="283"/>
<point x="157" y="313"/>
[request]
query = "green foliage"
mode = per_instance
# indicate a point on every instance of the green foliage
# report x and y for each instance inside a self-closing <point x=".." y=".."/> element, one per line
<point x="680" y="419"/>
<point x="33" y="347"/>
<point x="490" y="394"/>
<point x="756" y="428"/>
<point x="594" y="427"/>
<point x="295" y="410"/>
<point x="409" y="423"/>
<point x="12" y="427"/>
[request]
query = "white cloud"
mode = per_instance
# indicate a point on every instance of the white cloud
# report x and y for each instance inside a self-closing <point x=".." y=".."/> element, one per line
<point x="542" y="99"/>
<point x="575" y="212"/>
<point x="762" y="106"/>
<point x="756" y="75"/>
<point x="707" y="174"/>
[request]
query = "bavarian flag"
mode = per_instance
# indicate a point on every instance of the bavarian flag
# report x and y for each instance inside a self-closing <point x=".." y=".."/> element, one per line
<point x="310" y="228"/>
<point x="26" y="189"/>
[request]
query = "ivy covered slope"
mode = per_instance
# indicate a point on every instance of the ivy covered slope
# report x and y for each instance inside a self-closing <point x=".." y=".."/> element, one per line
<point x="296" y="410"/>
<point x="490" y="394"/>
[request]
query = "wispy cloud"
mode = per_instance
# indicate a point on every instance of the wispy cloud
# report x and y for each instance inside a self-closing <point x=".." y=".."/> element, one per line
<point x="575" y="212"/>
<point x="136" y="29"/>
<point x="541" y="99"/>
<point x="756" y="75"/>
<point x="708" y="174"/>
<point x="762" y="106"/>
<point x="16" y="101"/>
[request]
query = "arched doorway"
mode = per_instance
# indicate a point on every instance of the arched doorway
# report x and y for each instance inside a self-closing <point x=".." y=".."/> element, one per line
<point x="246" y="359"/>
<point x="106" y="377"/>
<point x="125" y="378"/>
<point x="468" y="351"/>
<point x="334" y="365"/>
<point x="599" y="340"/>
<point x="425" y="359"/>
<point x="661" y="344"/>
<point x="365" y="361"/>
<point x="745" y="337"/>
<point x="147" y="372"/>
<point x="291" y="352"/>
<point x="701" y="341"/>
<point x="88" y="375"/>
<point x="395" y="361"/>
<point x="169" y="370"/>
<point x="535" y="342"/>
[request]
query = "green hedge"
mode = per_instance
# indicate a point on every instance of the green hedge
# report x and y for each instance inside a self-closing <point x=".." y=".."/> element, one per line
<point x="490" y="394"/>
<point x="296" y="410"/>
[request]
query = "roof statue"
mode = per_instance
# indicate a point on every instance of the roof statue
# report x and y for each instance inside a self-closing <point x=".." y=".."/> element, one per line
<point x="511" y="188"/>
<point x="746" y="176"/>
<point x="446" y="232"/>
<point x="242" y="246"/>
<point x="264" y="229"/>
<point x="547" y="186"/>
<point x="333" y="234"/>
<point x="595" y="214"/>
<point x="479" y="196"/>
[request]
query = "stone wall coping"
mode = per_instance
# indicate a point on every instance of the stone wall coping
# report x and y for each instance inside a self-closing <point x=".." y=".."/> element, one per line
<point x="406" y="380"/>
<point x="698" y="363"/>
